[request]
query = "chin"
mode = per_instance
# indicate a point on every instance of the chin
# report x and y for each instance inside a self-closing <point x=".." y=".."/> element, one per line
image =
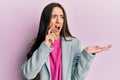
<point x="57" y="34"/>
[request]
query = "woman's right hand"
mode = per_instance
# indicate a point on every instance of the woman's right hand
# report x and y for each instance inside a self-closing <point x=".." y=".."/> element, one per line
<point x="50" y="37"/>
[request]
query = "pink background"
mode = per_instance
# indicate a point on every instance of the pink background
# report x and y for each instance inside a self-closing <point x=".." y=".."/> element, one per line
<point x="93" y="22"/>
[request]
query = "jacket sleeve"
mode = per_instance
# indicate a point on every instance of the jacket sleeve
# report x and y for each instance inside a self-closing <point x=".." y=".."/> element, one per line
<point x="31" y="67"/>
<point x="81" y="63"/>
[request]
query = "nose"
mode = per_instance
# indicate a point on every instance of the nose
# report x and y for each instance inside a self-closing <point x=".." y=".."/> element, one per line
<point x="58" y="19"/>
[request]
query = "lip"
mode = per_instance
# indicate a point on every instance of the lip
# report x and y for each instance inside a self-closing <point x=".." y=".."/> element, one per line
<point x="57" y="28"/>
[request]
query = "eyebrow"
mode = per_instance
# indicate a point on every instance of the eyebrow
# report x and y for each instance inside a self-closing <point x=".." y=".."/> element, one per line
<point x="62" y="15"/>
<point x="56" y="14"/>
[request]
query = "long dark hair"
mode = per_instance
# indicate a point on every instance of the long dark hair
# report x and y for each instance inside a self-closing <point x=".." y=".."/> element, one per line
<point x="43" y="29"/>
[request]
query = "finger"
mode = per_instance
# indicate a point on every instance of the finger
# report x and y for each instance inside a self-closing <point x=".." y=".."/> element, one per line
<point x="53" y="39"/>
<point x="54" y="36"/>
<point x="98" y="47"/>
<point x="105" y="48"/>
<point x="109" y="46"/>
<point x="50" y="30"/>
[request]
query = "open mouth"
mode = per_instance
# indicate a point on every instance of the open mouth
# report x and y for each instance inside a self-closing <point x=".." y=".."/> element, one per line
<point x="57" y="27"/>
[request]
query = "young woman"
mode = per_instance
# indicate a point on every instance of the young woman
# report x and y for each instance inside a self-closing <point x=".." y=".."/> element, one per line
<point x="56" y="54"/>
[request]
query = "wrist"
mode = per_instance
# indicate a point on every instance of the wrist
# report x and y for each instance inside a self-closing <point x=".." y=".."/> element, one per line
<point x="89" y="51"/>
<point x="47" y="43"/>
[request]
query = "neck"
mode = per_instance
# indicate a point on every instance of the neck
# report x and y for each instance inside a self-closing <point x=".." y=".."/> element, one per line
<point x="57" y="36"/>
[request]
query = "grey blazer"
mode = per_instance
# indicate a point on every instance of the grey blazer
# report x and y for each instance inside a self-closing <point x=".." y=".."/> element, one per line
<point x="75" y="63"/>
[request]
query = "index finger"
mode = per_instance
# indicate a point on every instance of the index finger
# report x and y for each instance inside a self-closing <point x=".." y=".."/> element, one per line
<point x="106" y="47"/>
<point x="50" y="30"/>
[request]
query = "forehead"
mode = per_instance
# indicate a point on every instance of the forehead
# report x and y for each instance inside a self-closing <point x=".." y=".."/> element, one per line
<point x="57" y="10"/>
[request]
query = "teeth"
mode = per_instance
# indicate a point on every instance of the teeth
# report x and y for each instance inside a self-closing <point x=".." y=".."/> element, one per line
<point x="58" y="27"/>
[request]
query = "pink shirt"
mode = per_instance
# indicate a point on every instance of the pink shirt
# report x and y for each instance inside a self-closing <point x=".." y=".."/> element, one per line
<point x="56" y="61"/>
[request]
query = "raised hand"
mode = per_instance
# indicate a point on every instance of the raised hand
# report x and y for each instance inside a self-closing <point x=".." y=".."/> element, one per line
<point x="50" y="37"/>
<point x="97" y="49"/>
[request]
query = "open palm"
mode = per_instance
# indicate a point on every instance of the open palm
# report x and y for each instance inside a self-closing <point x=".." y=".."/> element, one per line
<point x="97" y="49"/>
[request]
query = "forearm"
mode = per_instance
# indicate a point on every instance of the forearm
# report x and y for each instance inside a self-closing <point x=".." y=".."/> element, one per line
<point x="34" y="64"/>
<point x="84" y="62"/>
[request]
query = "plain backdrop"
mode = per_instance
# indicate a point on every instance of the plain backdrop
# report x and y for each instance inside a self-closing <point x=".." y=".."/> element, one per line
<point x="93" y="22"/>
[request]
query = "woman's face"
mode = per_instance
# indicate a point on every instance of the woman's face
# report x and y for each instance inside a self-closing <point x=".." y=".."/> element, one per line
<point x="56" y="21"/>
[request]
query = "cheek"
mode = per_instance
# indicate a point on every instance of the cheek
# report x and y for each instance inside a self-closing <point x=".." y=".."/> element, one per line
<point x="62" y="21"/>
<point x="52" y="21"/>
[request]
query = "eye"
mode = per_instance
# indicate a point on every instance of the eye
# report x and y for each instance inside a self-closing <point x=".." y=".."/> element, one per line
<point x="62" y="16"/>
<point x="53" y="16"/>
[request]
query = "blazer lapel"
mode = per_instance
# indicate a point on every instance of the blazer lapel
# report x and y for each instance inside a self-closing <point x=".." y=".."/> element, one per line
<point x="65" y="54"/>
<point x="48" y="64"/>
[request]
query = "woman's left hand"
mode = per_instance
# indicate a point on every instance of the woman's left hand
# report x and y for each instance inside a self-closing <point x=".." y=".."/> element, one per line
<point x="97" y="49"/>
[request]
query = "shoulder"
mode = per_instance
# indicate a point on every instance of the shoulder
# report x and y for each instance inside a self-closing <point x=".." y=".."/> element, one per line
<point x="74" y="40"/>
